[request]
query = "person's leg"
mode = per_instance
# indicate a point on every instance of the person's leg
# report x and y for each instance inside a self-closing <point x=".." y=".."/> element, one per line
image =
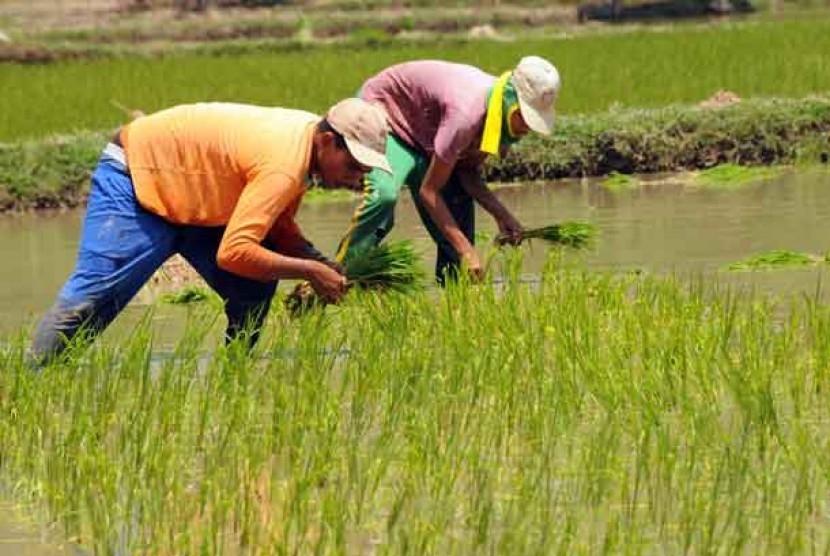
<point x="462" y="208"/>
<point x="375" y="215"/>
<point x="246" y="301"/>
<point x="121" y="246"/>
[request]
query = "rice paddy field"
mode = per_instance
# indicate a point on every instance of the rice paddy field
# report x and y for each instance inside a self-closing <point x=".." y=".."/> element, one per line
<point x="586" y="413"/>
<point x="616" y="407"/>
<point x="641" y="68"/>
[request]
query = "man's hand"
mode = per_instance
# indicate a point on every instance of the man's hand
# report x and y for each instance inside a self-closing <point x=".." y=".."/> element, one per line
<point x="327" y="282"/>
<point x="510" y="230"/>
<point x="334" y="265"/>
<point x="472" y="264"/>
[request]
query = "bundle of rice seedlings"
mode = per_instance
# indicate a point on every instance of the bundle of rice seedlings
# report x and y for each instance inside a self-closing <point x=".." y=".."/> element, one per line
<point x="576" y="235"/>
<point x="391" y="266"/>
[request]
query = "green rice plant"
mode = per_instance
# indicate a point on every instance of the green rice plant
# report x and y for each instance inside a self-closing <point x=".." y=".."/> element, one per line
<point x="775" y="259"/>
<point x="575" y="235"/>
<point x="591" y="412"/>
<point x="392" y="265"/>
<point x="682" y="65"/>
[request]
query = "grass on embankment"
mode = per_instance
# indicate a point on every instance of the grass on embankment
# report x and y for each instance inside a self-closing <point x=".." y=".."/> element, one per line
<point x="38" y="174"/>
<point x="595" y="413"/>
<point x="637" y="69"/>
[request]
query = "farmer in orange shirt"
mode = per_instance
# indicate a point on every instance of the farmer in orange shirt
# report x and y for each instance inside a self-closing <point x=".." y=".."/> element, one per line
<point x="220" y="184"/>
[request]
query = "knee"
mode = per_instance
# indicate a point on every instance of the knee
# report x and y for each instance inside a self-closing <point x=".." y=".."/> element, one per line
<point x="59" y="327"/>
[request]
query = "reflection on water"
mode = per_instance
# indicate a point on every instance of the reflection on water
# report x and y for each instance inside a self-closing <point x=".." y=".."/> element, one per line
<point x="661" y="226"/>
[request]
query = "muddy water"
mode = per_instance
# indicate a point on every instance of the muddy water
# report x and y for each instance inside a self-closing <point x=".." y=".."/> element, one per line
<point x="665" y="225"/>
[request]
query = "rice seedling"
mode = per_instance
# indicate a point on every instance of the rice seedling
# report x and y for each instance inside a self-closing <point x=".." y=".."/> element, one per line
<point x="575" y="235"/>
<point x="776" y="259"/>
<point x="390" y="266"/>
<point x="591" y="413"/>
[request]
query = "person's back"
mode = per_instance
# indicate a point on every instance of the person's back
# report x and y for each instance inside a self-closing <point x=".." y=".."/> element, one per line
<point x="435" y="106"/>
<point x="190" y="163"/>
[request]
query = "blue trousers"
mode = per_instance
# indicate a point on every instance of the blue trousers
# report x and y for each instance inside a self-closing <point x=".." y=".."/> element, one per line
<point x="122" y="245"/>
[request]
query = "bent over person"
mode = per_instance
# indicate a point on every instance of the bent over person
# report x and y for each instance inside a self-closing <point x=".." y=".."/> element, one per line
<point x="445" y="118"/>
<point x="220" y="184"/>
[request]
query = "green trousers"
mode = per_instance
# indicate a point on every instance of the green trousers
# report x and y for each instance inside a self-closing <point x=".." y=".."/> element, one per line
<point x="375" y="215"/>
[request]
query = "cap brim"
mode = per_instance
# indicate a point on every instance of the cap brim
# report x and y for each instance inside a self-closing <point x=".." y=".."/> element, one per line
<point x="367" y="156"/>
<point x="540" y="122"/>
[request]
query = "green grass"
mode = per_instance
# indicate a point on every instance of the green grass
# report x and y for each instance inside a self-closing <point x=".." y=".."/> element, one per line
<point x="776" y="259"/>
<point x="637" y="69"/>
<point x="55" y="171"/>
<point x="592" y="413"/>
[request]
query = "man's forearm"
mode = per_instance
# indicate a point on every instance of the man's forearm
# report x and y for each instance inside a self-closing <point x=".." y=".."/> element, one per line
<point x="258" y="263"/>
<point x="443" y="218"/>
<point x="473" y="183"/>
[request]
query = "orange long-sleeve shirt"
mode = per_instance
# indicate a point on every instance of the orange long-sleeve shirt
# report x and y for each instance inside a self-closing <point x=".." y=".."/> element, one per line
<point x="222" y="164"/>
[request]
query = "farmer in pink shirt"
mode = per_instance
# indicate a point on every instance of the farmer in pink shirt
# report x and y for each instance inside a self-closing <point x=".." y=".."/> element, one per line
<point x="445" y="118"/>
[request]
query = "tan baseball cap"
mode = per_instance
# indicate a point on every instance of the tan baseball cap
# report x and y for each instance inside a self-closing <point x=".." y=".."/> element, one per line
<point x="363" y="126"/>
<point x="537" y="84"/>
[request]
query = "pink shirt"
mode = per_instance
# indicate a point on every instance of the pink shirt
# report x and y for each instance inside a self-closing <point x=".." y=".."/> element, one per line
<point x="437" y="107"/>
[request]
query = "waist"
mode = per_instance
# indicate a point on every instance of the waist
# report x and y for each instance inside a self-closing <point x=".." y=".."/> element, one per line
<point x="114" y="155"/>
<point x="116" y="138"/>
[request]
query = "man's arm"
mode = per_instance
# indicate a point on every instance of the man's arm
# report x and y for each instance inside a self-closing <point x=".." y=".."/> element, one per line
<point x="435" y="179"/>
<point x="289" y="240"/>
<point x="262" y="201"/>
<point x="471" y="179"/>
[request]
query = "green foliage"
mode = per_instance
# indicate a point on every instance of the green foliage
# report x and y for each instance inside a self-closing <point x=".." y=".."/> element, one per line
<point x="589" y="413"/>
<point x="188" y="294"/>
<point x="576" y="235"/>
<point x="391" y="265"/>
<point x="617" y="182"/>
<point x="55" y="172"/>
<point x="647" y="69"/>
<point x="731" y="175"/>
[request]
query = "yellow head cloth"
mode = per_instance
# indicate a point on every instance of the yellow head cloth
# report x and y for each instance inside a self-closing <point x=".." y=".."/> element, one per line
<point x="491" y="137"/>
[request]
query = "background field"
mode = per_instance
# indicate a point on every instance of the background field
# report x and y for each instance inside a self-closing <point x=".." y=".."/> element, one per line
<point x="641" y="68"/>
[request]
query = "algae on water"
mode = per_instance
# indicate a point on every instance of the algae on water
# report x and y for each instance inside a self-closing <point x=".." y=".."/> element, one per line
<point x="619" y="182"/>
<point x="733" y="175"/>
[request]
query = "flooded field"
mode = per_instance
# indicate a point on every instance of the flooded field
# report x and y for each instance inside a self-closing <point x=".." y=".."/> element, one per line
<point x="662" y="225"/>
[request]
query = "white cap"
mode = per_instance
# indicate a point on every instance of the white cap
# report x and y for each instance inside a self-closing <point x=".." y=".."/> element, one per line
<point x="363" y="126"/>
<point x="537" y="84"/>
